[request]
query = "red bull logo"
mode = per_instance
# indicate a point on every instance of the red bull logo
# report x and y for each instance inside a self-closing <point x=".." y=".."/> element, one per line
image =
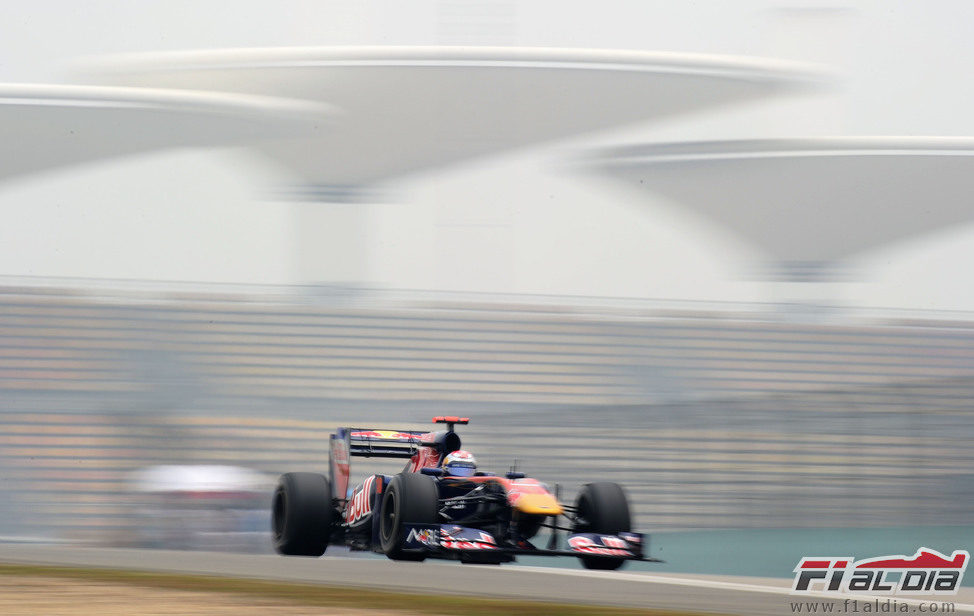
<point x="383" y="434"/>
<point x="460" y="538"/>
<point x="460" y="544"/>
<point x="610" y="546"/>
<point x="360" y="506"/>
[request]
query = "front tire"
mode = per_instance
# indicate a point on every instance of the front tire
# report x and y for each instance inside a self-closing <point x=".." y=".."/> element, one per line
<point x="602" y="508"/>
<point x="410" y="499"/>
<point x="302" y="516"/>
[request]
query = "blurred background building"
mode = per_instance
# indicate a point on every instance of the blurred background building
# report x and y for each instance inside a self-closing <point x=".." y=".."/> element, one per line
<point x="640" y="241"/>
<point x="713" y="415"/>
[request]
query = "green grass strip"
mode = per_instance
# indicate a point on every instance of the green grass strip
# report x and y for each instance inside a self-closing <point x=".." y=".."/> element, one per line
<point x="316" y="595"/>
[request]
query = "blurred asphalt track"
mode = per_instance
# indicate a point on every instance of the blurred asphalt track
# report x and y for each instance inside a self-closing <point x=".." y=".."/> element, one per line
<point x="728" y="595"/>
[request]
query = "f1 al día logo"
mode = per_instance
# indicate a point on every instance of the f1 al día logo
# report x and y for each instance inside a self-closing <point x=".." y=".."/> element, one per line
<point x="928" y="572"/>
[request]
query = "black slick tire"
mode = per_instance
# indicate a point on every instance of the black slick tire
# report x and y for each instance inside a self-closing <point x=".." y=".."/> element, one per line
<point x="302" y="516"/>
<point x="602" y="508"/>
<point x="410" y="498"/>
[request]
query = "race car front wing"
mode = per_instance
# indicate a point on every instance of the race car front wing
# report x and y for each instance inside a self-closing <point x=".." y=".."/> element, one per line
<point x="462" y="543"/>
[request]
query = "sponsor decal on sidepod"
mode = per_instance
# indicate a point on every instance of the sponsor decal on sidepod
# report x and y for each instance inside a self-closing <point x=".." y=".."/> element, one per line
<point x="361" y="504"/>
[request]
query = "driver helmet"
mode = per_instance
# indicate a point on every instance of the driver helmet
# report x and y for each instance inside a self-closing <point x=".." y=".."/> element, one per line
<point x="460" y="463"/>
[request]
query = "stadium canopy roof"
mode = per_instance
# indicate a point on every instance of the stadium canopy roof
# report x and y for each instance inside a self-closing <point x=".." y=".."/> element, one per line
<point x="809" y="200"/>
<point x="48" y="126"/>
<point x="407" y="109"/>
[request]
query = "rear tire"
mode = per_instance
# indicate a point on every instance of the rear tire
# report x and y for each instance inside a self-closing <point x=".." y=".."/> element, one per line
<point x="302" y="516"/>
<point x="602" y="508"/>
<point x="410" y="499"/>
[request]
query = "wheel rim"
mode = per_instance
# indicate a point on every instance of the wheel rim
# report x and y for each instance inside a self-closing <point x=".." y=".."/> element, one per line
<point x="388" y="526"/>
<point x="583" y="515"/>
<point x="278" y="520"/>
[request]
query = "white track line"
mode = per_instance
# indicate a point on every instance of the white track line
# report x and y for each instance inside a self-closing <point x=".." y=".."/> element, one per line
<point x="761" y="588"/>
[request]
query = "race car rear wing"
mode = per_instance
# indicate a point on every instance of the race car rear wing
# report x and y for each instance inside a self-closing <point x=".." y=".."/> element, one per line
<point x="380" y="443"/>
<point x="384" y="443"/>
<point x="368" y="443"/>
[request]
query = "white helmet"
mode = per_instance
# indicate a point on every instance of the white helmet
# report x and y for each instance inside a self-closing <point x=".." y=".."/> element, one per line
<point x="460" y="463"/>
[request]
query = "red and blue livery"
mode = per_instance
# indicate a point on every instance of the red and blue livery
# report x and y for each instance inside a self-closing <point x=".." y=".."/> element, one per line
<point x="440" y="506"/>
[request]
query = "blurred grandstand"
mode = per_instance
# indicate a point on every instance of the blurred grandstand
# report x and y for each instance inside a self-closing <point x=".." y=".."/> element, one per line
<point x="713" y="415"/>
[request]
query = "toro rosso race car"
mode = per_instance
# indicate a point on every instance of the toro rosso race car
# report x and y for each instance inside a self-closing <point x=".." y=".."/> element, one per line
<point x="441" y="506"/>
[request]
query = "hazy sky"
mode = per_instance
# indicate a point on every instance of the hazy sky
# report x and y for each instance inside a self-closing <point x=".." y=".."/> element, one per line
<point x="518" y="223"/>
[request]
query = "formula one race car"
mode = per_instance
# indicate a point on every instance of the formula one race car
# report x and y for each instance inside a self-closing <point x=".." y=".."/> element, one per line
<point x="440" y="506"/>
